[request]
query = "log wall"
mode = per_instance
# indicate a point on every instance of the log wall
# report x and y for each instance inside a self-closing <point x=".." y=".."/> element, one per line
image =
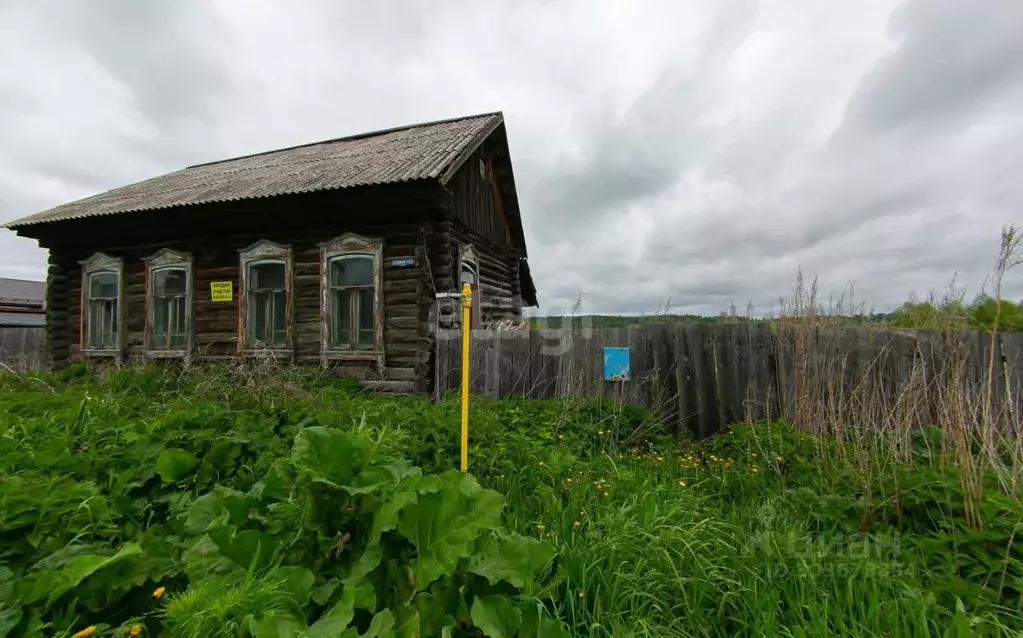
<point x="211" y="235"/>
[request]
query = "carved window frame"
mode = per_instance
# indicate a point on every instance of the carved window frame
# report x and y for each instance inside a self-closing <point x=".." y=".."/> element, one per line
<point x="96" y="264"/>
<point x="167" y="259"/>
<point x="467" y="256"/>
<point x="352" y="244"/>
<point x="265" y="251"/>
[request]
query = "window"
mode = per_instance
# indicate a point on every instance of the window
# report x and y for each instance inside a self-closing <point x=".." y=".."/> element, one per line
<point x="101" y="305"/>
<point x="266" y="283"/>
<point x="267" y="303"/>
<point x="353" y="309"/>
<point x="352" y="302"/>
<point x="469" y="274"/>
<point x="169" y="303"/>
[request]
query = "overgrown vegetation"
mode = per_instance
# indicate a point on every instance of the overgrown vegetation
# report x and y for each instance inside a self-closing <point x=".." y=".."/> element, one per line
<point x="226" y="502"/>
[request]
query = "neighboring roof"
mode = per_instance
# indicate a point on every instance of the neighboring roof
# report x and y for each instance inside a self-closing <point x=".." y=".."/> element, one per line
<point x="27" y="319"/>
<point x="22" y="291"/>
<point x="431" y="150"/>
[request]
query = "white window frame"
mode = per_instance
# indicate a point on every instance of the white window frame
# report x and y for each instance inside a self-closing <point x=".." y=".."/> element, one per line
<point x="100" y="263"/>
<point x="351" y="244"/>
<point x="467" y="257"/>
<point x="167" y="259"/>
<point x="266" y="252"/>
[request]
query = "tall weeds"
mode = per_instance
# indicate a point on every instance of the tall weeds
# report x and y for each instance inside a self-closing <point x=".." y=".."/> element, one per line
<point x="884" y="390"/>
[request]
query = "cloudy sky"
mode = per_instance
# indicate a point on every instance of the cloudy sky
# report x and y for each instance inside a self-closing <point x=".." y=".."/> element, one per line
<point x="697" y="151"/>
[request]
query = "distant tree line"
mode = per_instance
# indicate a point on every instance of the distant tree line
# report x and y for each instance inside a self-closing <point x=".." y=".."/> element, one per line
<point x="926" y="315"/>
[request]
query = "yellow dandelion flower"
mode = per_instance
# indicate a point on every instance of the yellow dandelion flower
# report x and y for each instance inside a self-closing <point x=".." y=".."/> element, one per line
<point x="781" y="460"/>
<point x="85" y="633"/>
<point x="561" y="436"/>
<point x="581" y="595"/>
<point x="134" y="630"/>
<point x="539" y="527"/>
<point x="158" y="593"/>
<point x="681" y="483"/>
<point x="577" y="524"/>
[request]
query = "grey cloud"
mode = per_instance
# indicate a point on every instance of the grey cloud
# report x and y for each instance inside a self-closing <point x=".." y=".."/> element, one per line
<point x="164" y="52"/>
<point x="633" y="158"/>
<point x="953" y="58"/>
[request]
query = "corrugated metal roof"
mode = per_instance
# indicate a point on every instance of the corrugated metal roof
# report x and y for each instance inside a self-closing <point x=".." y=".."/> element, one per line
<point x="419" y="151"/>
<point x="29" y="319"/>
<point x="22" y="291"/>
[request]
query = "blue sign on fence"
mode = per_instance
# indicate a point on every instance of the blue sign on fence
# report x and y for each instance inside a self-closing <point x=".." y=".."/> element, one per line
<point x="616" y="364"/>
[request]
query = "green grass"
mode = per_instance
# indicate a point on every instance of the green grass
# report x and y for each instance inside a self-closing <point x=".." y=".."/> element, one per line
<point x="764" y="530"/>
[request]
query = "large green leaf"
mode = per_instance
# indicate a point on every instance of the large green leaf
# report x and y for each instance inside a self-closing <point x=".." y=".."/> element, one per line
<point x="510" y="557"/>
<point x="298" y="580"/>
<point x="536" y="623"/>
<point x="276" y="624"/>
<point x="385" y="519"/>
<point x="9" y="619"/>
<point x="496" y="616"/>
<point x="381" y="625"/>
<point x="220" y="459"/>
<point x="373" y="478"/>
<point x="174" y="464"/>
<point x="81" y="567"/>
<point x="441" y="609"/>
<point x="279" y="482"/>
<point x="327" y="456"/>
<point x="337" y="618"/>
<point x="246" y="548"/>
<point x="406" y="623"/>
<point x="211" y="506"/>
<point x="445" y="521"/>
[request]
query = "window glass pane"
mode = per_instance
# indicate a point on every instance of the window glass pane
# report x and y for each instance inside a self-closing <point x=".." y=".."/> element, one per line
<point x="169" y="323"/>
<point x="267" y="319"/>
<point x="102" y="324"/>
<point x="177" y="323"/>
<point x="266" y="277"/>
<point x="103" y="284"/>
<point x="354" y="270"/>
<point x="341" y="317"/>
<point x="160" y="321"/>
<point x="468" y="274"/>
<point x="365" y="315"/>
<point x="169" y="281"/>
<point x="93" y="339"/>
<point x="259" y="306"/>
<point x="280" y="334"/>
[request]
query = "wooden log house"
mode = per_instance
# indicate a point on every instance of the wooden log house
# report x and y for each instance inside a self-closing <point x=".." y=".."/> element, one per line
<point x="343" y="253"/>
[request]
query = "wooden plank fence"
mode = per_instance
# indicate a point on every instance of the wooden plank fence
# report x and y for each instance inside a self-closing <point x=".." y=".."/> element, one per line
<point x="23" y="348"/>
<point x="705" y="376"/>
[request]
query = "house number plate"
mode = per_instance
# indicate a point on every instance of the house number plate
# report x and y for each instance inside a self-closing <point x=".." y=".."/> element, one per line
<point x="405" y="262"/>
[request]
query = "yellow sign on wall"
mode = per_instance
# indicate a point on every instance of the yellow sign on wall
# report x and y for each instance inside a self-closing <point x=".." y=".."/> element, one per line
<point x="220" y="290"/>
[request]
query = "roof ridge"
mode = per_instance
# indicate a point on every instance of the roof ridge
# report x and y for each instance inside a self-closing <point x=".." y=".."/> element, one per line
<point x="347" y="138"/>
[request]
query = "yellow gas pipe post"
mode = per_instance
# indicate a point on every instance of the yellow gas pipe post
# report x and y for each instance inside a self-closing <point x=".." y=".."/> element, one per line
<point x="466" y="305"/>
